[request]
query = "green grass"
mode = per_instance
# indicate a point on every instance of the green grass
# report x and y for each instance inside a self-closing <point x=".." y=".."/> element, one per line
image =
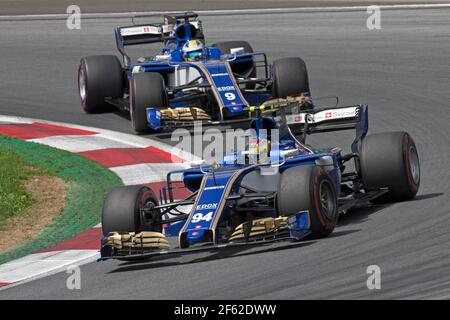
<point x="14" y="198"/>
<point x="87" y="184"/>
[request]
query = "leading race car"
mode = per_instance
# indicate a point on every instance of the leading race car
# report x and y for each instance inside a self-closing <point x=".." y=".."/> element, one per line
<point x="188" y="80"/>
<point x="298" y="191"/>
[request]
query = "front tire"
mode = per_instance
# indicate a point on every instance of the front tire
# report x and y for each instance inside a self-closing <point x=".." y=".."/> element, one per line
<point x="99" y="77"/>
<point x="390" y="160"/>
<point x="309" y="187"/>
<point x="146" y="90"/>
<point x="121" y="209"/>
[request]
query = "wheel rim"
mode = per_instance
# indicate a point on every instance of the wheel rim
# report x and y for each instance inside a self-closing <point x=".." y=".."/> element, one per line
<point x="414" y="166"/>
<point x="82" y="84"/>
<point x="145" y="199"/>
<point x="326" y="198"/>
<point x="147" y="202"/>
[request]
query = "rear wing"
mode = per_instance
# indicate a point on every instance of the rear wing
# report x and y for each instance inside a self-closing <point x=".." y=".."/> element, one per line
<point x="331" y="119"/>
<point x="140" y="34"/>
<point x="299" y="112"/>
<point x="323" y="120"/>
<point x="137" y="34"/>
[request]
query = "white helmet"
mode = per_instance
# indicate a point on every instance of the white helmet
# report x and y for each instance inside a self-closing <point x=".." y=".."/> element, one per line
<point x="192" y="50"/>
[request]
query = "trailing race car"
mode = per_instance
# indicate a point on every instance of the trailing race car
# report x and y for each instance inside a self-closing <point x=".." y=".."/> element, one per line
<point x="187" y="81"/>
<point x="240" y="202"/>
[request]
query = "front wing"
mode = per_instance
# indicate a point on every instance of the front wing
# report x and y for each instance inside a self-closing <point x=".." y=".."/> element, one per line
<point x="146" y="245"/>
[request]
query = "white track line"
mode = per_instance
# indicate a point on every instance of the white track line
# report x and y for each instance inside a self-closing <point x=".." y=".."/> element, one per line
<point x="146" y="173"/>
<point x="227" y="12"/>
<point x="39" y="265"/>
<point x="42" y="263"/>
<point x="80" y="143"/>
<point x="122" y="138"/>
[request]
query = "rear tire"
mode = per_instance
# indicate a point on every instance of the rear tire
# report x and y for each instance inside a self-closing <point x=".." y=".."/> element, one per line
<point x="290" y="77"/>
<point x="390" y="160"/>
<point x="121" y="209"/>
<point x="240" y="68"/>
<point x="226" y="46"/>
<point x="309" y="188"/>
<point x="146" y="90"/>
<point x="99" y="77"/>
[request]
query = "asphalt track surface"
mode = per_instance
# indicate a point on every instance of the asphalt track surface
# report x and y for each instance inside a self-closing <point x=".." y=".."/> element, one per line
<point x="15" y="7"/>
<point x="402" y="71"/>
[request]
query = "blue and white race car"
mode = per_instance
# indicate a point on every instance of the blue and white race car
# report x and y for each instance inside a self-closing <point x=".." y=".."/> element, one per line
<point x="284" y="189"/>
<point x="188" y="81"/>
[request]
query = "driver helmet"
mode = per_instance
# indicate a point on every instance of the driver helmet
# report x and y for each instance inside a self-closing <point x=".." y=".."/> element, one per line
<point x="192" y="50"/>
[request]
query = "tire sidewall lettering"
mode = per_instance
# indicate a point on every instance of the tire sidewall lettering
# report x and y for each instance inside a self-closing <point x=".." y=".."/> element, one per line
<point x="317" y="207"/>
<point x="407" y="143"/>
